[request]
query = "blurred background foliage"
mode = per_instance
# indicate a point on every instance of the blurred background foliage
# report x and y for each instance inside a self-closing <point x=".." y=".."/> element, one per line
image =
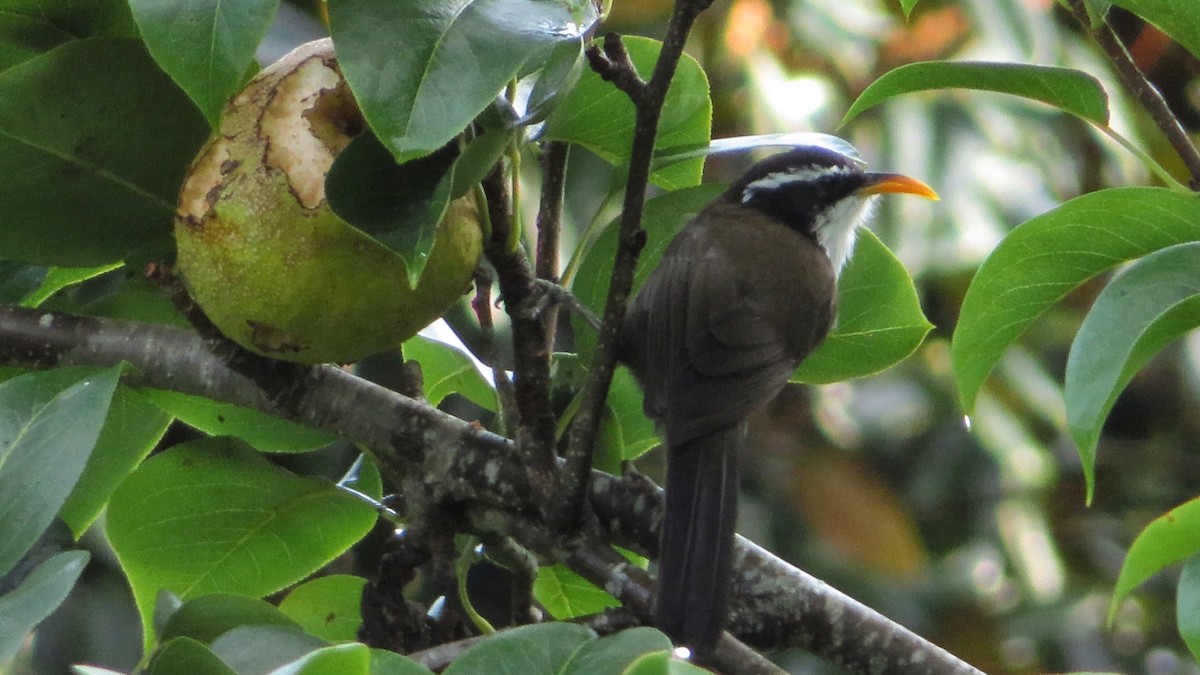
<point x="976" y="538"/>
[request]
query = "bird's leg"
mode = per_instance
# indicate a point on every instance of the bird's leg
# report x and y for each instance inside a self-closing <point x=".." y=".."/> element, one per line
<point x="550" y="293"/>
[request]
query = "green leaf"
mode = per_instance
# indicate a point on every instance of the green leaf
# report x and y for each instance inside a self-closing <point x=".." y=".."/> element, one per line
<point x="58" y="278"/>
<point x="538" y="649"/>
<point x="879" y="321"/>
<point x="1187" y="605"/>
<point x="1168" y="539"/>
<point x="264" y="432"/>
<point x="92" y="172"/>
<point x="1046" y="257"/>
<point x="346" y="659"/>
<point x="384" y="662"/>
<point x="1178" y="18"/>
<point x="208" y="617"/>
<point x="566" y="595"/>
<point x="38" y="595"/>
<point x="400" y="205"/>
<point x="132" y="428"/>
<point x="1150" y="304"/>
<point x="662" y="218"/>
<point x="206" y="47"/>
<point x="907" y="6"/>
<point x="213" y="516"/>
<point x="328" y="607"/>
<point x="259" y="650"/>
<point x="185" y="655"/>
<point x="1067" y="89"/>
<point x="600" y="117"/>
<point x="46" y="436"/>
<point x="29" y="28"/>
<point x="421" y="70"/>
<point x="447" y="370"/>
<point x="614" y="654"/>
<point x="624" y="428"/>
<point x="18" y="281"/>
<point x="561" y="72"/>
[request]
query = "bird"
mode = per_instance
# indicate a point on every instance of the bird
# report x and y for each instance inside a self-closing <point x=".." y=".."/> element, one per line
<point x="744" y="292"/>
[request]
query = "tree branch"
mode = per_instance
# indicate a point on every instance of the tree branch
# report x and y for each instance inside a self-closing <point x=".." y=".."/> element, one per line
<point x="776" y="606"/>
<point x="535" y="430"/>
<point x="648" y="102"/>
<point x="1142" y="89"/>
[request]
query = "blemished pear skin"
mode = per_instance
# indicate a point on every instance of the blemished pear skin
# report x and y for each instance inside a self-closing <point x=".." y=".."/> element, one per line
<point x="262" y="253"/>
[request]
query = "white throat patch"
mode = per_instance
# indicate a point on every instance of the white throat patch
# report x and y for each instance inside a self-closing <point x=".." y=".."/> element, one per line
<point x="837" y="227"/>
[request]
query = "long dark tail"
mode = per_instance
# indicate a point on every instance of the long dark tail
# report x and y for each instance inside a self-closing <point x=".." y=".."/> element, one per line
<point x="696" y="548"/>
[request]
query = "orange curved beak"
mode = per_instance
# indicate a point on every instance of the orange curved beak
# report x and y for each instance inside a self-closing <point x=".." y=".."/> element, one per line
<point x="894" y="183"/>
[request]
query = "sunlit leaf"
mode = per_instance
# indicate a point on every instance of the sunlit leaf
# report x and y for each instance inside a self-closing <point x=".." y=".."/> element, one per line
<point x="1070" y="90"/>
<point x="328" y="607"/>
<point x="600" y="117"/>
<point x="213" y="516"/>
<point x="566" y="595"/>
<point x="1167" y="540"/>
<point x="1046" y="257"/>
<point x="879" y="320"/>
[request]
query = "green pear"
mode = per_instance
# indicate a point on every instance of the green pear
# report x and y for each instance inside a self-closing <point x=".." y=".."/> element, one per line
<point x="265" y="257"/>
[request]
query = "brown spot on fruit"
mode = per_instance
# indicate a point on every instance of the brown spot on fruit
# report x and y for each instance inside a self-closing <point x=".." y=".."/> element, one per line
<point x="272" y="340"/>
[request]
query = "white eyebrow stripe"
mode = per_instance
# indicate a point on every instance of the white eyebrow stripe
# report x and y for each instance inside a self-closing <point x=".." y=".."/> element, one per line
<point x="777" y="179"/>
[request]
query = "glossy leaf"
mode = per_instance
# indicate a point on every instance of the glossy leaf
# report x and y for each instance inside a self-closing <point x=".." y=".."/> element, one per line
<point x="93" y="171"/>
<point x="600" y="117"/>
<point x="58" y="278"/>
<point x="47" y="432"/>
<point x="264" y="432"/>
<point x="1167" y="540"/>
<point x="536" y="649"/>
<point x="1067" y="89"/>
<point x="566" y="595"/>
<point x="328" y="607"/>
<point x="39" y="594"/>
<point x="614" y="654"/>
<point x="447" y="370"/>
<point x="1149" y="305"/>
<point x="213" y="516"/>
<point x="1178" y="18"/>
<point x="208" y="617"/>
<point x="206" y="47"/>
<point x="879" y="320"/>
<point x="345" y="659"/>
<point x="1046" y="257"/>
<point x="384" y="662"/>
<point x="454" y="58"/>
<point x="1187" y="605"/>
<point x="185" y="655"/>
<point x="259" y="650"/>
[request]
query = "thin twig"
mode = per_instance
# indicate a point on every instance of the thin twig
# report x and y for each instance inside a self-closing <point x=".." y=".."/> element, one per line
<point x="1142" y="89"/>
<point x="549" y="225"/>
<point x="531" y="356"/>
<point x="648" y="99"/>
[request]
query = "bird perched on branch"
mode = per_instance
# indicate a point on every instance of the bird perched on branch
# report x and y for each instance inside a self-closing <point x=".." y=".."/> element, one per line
<point x="744" y="293"/>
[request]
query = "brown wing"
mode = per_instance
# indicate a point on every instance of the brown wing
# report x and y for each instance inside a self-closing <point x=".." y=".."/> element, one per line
<point x="737" y="302"/>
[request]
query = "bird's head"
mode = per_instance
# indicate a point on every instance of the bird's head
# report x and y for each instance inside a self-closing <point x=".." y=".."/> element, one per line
<point x="821" y="193"/>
